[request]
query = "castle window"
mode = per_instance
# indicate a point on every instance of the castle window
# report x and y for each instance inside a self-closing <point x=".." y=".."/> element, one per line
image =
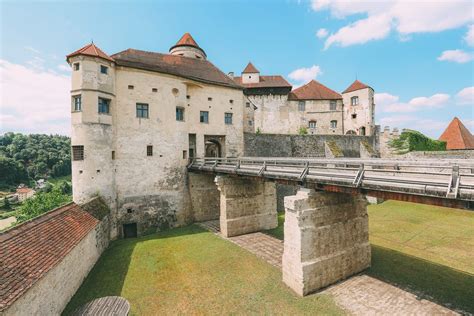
<point x="77" y="153"/>
<point x="301" y="106"/>
<point x="333" y="105"/>
<point x="149" y="150"/>
<point x="188" y="97"/>
<point x="228" y="118"/>
<point x="209" y="99"/>
<point x="231" y="101"/>
<point x="185" y="154"/>
<point x="77" y="103"/>
<point x="142" y="110"/>
<point x="250" y="123"/>
<point x="104" y="106"/>
<point x="103" y="69"/>
<point x="354" y="100"/>
<point x="130" y="87"/>
<point x="113" y="154"/>
<point x="334" y="124"/>
<point x="204" y="117"/>
<point x="354" y="116"/>
<point x="154" y="90"/>
<point x="76" y="66"/>
<point x="179" y="114"/>
<point x="312" y="124"/>
<point x="247" y="104"/>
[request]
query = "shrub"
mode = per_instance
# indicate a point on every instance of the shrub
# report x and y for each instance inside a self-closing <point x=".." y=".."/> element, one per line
<point x="303" y="130"/>
<point x="411" y="140"/>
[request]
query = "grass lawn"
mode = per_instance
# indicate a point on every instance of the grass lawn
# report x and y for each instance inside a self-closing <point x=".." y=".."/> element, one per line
<point x="192" y="271"/>
<point x="426" y="249"/>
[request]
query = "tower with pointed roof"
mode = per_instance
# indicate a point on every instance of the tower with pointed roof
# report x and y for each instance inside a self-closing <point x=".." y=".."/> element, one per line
<point x="359" y="109"/>
<point x="92" y="120"/>
<point x="187" y="47"/>
<point x="457" y="136"/>
<point x="250" y="74"/>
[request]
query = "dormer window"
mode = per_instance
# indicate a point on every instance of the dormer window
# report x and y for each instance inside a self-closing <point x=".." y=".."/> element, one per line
<point x="76" y="66"/>
<point x="104" y="69"/>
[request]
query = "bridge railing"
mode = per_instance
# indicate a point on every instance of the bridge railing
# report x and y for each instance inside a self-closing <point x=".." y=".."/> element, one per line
<point x="452" y="179"/>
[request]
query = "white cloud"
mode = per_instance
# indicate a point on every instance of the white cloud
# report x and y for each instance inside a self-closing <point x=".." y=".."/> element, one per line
<point x="431" y="128"/>
<point x="469" y="124"/>
<point x="390" y="104"/>
<point x="469" y="37"/>
<point x="33" y="100"/>
<point x="64" y="68"/>
<point x="305" y="74"/>
<point x="456" y="55"/>
<point x="31" y="49"/>
<point x="322" y="33"/>
<point x="466" y="96"/>
<point x="402" y="16"/>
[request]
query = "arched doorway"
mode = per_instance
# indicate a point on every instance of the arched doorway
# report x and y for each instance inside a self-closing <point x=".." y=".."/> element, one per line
<point x="213" y="148"/>
<point x="351" y="132"/>
<point x="362" y="131"/>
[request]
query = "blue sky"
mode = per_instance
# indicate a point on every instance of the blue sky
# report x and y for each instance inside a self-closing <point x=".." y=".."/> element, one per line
<point x="417" y="55"/>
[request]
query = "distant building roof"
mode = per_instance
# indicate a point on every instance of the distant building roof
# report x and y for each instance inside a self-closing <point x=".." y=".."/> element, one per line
<point x="30" y="250"/>
<point x="187" y="40"/>
<point x="457" y="136"/>
<point x="24" y="190"/>
<point x="314" y="90"/>
<point x="356" y="85"/>
<point x="250" y="69"/>
<point x="265" y="82"/>
<point x="90" y="50"/>
<point x="191" y="68"/>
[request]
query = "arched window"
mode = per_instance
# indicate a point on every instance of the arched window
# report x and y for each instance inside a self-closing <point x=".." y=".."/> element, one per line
<point x="312" y="124"/>
<point x="362" y="131"/>
<point x="334" y="124"/>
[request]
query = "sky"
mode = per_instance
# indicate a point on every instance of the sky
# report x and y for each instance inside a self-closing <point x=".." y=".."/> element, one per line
<point x="418" y="56"/>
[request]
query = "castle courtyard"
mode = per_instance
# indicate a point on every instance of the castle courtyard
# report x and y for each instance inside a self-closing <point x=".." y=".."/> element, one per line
<point x="193" y="271"/>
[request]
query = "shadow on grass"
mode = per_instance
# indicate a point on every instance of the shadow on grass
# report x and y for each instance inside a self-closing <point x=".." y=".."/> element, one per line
<point x="442" y="284"/>
<point x="108" y="275"/>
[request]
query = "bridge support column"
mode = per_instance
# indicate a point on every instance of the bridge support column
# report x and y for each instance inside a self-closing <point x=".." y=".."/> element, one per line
<point x="246" y="206"/>
<point x="326" y="239"/>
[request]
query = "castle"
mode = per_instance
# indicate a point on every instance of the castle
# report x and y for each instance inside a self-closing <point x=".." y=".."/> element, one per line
<point x="137" y="117"/>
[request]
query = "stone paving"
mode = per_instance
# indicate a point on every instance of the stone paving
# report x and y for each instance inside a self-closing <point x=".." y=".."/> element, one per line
<point x="358" y="295"/>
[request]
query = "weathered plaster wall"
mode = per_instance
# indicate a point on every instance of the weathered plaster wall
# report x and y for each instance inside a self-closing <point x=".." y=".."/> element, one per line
<point x="246" y="206"/>
<point x="364" y="111"/>
<point x="272" y="145"/>
<point x="50" y="295"/>
<point x="326" y="239"/>
<point x="205" y="197"/>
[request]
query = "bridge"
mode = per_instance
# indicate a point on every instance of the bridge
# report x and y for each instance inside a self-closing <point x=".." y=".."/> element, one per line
<point x="326" y="237"/>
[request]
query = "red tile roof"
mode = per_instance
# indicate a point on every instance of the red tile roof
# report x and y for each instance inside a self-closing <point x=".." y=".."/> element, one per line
<point x="191" y="68"/>
<point x="457" y="136"/>
<point x="250" y="69"/>
<point x="30" y="250"/>
<point x="356" y="85"/>
<point x="265" y="82"/>
<point x="186" y="40"/>
<point x="90" y="50"/>
<point x="314" y="90"/>
<point x="23" y="190"/>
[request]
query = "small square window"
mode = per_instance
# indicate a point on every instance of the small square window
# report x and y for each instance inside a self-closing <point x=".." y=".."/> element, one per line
<point x="333" y="124"/>
<point x="142" y="110"/>
<point x="354" y="116"/>
<point x="104" y="69"/>
<point x="185" y="154"/>
<point x="312" y="124"/>
<point x="179" y="114"/>
<point x="247" y="104"/>
<point x="228" y="118"/>
<point x="355" y="100"/>
<point x="250" y="123"/>
<point x="77" y="103"/>
<point x="204" y="117"/>
<point x="332" y="105"/>
<point x="154" y="90"/>
<point x="231" y="101"/>
<point x="149" y="150"/>
<point x="188" y="97"/>
<point x="209" y="99"/>
<point x="301" y="106"/>
<point x="104" y="106"/>
<point x="76" y="66"/>
<point x="130" y="87"/>
<point x="77" y="153"/>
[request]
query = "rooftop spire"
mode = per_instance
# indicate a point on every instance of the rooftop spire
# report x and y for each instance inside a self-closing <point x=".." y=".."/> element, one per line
<point x="187" y="47"/>
<point x="250" y="69"/>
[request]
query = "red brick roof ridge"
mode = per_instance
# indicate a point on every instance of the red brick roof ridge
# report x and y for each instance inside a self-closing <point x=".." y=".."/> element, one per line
<point x="314" y="90"/>
<point x="250" y="68"/>
<point x="457" y="136"/>
<point x="356" y="85"/>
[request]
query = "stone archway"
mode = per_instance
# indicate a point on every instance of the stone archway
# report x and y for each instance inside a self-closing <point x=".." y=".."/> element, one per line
<point x="214" y="146"/>
<point x="351" y="132"/>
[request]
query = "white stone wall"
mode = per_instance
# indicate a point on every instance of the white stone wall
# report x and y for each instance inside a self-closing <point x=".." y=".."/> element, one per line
<point x="364" y="111"/>
<point x="50" y="295"/>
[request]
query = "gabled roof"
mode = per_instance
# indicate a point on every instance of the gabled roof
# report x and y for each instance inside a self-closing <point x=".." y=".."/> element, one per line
<point x="265" y="82"/>
<point x="190" y="68"/>
<point x="250" y="69"/>
<point x="457" y="136"/>
<point x="314" y="90"/>
<point x="24" y="190"/>
<point x="90" y="50"/>
<point x="30" y="250"/>
<point x="356" y="85"/>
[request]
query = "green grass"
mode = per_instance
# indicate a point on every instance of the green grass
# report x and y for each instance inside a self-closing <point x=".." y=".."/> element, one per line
<point x="428" y="250"/>
<point x="191" y="271"/>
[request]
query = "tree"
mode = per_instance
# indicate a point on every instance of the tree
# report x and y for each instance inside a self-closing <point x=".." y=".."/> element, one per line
<point x="41" y="203"/>
<point x="11" y="172"/>
<point x="6" y="204"/>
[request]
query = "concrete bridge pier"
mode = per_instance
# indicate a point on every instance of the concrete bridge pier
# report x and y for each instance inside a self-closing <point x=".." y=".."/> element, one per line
<point x="326" y="239"/>
<point x="246" y="206"/>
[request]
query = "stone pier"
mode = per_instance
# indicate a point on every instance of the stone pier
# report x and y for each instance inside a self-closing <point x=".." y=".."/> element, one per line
<point x="326" y="239"/>
<point x="246" y="206"/>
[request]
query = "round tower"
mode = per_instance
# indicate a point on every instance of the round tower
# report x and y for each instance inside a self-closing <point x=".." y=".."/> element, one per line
<point x="188" y="47"/>
<point x="92" y="113"/>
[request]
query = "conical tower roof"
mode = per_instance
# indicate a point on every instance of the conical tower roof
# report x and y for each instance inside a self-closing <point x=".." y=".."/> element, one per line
<point x="250" y="69"/>
<point x="90" y="50"/>
<point x="457" y="136"/>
